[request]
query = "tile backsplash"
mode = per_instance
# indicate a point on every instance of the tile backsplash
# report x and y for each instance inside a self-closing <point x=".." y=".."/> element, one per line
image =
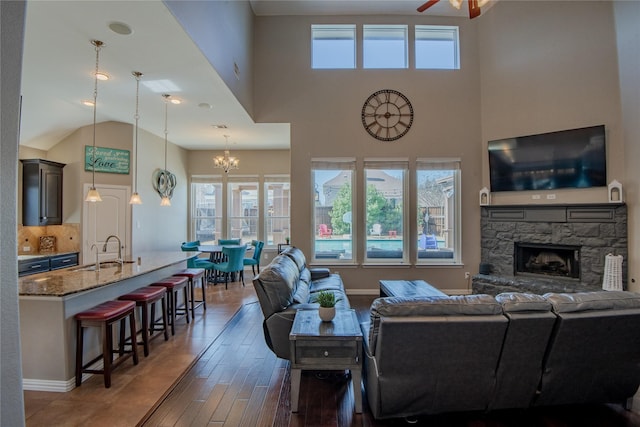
<point x="67" y="238"/>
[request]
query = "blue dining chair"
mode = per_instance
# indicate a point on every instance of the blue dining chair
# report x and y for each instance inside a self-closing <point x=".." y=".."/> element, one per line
<point x="255" y="259"/>
<point x="234" y="263"/>
<point x="196" y="262"/>
<point x="229" y="242"/>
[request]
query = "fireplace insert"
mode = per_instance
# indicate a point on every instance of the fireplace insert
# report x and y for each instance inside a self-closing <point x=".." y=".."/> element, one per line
<point x="547" y="260"/>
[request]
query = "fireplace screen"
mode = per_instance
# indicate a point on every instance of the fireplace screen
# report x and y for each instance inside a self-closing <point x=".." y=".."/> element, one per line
<point x="548" y="260"/>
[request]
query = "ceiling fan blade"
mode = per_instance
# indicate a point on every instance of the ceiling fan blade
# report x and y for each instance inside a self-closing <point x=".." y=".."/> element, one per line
<point x="474" y="9"/>
<point x="427" y="5"/>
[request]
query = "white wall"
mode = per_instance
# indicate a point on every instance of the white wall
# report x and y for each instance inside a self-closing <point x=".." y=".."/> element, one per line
<point x="627" y="19"/>
<point x="324" y="106"/>
<point x="223" y="30"/>
<point x="12" y="37"/>
<point x="554" y="70"/>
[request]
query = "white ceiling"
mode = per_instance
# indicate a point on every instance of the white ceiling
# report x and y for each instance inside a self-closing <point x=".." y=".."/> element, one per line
<point x="59" y="61"/>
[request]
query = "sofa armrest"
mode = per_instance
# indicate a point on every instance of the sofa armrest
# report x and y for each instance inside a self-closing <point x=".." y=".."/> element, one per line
<point x="319" y="273"/>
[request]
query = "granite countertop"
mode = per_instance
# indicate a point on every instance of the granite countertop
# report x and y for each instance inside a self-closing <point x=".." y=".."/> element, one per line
<point x="59" y="283"/>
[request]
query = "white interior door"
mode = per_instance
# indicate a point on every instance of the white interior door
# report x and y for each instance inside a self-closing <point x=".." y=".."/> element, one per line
<point x="102" y="219"/>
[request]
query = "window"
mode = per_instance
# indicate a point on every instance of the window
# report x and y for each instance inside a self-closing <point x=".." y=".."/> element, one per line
<point x="438" y="202"/>
<point x="385" y="46"/>
<point x="277" y="219"/>
<point x="206" y="210"/>
<point x="243" y="211"/>
<point x="333" y="46"/>
<point x="385" y="214"/>
<point x="333" y="183"/>
<point x="437" y="47"/>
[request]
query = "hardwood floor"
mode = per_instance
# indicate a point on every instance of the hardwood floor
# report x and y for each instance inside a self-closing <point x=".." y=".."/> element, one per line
<point x="218" y="371"/>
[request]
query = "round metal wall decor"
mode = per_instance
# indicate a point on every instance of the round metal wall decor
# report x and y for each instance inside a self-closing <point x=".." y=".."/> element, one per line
<point x="164" y="182"/>
<point x="387" y="115"/>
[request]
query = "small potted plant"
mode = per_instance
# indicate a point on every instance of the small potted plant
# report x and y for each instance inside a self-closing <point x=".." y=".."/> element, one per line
<point x="287" y="240"/>
<point x="327" y="301"/>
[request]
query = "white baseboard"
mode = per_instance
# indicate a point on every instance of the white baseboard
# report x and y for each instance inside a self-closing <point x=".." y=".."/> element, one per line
<point x="58" y="386"/>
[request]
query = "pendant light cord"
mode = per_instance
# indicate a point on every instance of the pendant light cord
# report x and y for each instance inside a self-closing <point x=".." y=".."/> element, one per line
<point x="136" y="117"/>
<point x="97" y="44"/>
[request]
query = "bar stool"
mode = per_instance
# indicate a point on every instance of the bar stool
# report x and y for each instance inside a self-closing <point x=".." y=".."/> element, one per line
<point x="144" y="298"/>
<point x="104" y="316"/>
<point x="193" y="275"/>
<point x="174" y="285"/>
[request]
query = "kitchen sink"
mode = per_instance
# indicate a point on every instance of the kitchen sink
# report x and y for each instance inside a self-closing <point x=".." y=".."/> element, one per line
<point x="103" y="264"/>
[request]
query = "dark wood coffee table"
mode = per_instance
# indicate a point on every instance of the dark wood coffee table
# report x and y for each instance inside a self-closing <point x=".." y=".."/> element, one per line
<point x="408" y="288"/>
<point x="334" y="346"/>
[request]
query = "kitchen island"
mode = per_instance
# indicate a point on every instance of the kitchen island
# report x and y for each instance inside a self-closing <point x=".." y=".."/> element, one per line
<point x="50" y="300"/>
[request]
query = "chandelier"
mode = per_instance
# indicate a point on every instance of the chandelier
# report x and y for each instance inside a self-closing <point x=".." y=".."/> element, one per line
<point x="226" y="162"/>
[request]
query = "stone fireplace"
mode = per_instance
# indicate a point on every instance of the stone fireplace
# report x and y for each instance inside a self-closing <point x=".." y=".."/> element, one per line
<point x="549" y="248"/>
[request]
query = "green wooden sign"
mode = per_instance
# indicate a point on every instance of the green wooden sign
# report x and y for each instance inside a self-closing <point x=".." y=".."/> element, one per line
<point x="109" y="160"/>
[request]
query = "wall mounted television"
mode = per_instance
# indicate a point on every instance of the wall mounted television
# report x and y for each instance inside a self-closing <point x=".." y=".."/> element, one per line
<point x="574" y="158"/>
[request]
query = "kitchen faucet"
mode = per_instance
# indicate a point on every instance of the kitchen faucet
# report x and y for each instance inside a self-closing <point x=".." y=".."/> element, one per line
<point x="97" y="260"/>
<point x="104" y="248"/>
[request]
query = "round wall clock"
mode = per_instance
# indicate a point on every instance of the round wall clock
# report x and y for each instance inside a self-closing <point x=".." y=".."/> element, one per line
<point x="387" y="115"/>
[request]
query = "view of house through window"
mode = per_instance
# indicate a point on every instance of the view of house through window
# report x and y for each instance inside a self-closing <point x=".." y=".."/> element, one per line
<point x="333" y="207"/>
<point x="389" y="238"/>
<point x="438" y="211"/>
<point x="278" y="204"/>
<point x="385" y="211"/>
<point x="244" y="219"/>
<point x="206" y="210"/>
<point x="243" y="211"/>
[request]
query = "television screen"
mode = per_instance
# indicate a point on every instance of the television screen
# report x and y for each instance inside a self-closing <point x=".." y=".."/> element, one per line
<point x="573" y="158"/>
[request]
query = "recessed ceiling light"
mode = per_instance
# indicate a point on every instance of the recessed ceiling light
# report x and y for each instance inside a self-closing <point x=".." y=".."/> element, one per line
<point x="219" y="126"/>
<point x="87" y="102"/>
<point x="102" y="76"/>
<point x="175" y="101"/>
<point x="120" y="28"/>
<point x="205" y="105"/>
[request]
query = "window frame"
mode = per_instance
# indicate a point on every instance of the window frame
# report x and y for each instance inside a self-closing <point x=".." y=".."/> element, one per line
<point x="268" y="180"/>
<point x="401" y="164"/>
<point x="333" y="28"/>
<point x="381" y="29"/>
<point x="193" y="218"/>
<point x="439" y="31"/>
<point x="455" y="165"/>
<point x="337" y="164"/>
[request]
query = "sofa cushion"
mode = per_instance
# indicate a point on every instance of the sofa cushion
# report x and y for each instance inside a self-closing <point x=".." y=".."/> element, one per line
<point x="513" y="302"/>
<point x="297" y="256"/>
<point x="302" y="293"/>
<point x="458" y="305"/>
<point x="278" y="283"/>
<point x="587" y="301"/>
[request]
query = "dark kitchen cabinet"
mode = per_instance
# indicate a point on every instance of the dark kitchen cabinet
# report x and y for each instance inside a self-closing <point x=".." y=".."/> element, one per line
<point x="41" y="192"/>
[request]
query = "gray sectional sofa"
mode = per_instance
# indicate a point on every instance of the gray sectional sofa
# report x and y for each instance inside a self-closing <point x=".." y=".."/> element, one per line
<point x="429" y="355"/>
<point x="286" y="285"/>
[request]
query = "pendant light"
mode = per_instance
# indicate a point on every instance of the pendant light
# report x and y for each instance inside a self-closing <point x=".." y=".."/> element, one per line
<point x="92" y="194"/>
<point x="166" y="200"/>
<point x="135" y="197"/>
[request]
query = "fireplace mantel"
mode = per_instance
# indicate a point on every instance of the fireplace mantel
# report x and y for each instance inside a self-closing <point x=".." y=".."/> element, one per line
<point x="598" y="229"/>
<point x="553" y="213"/>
